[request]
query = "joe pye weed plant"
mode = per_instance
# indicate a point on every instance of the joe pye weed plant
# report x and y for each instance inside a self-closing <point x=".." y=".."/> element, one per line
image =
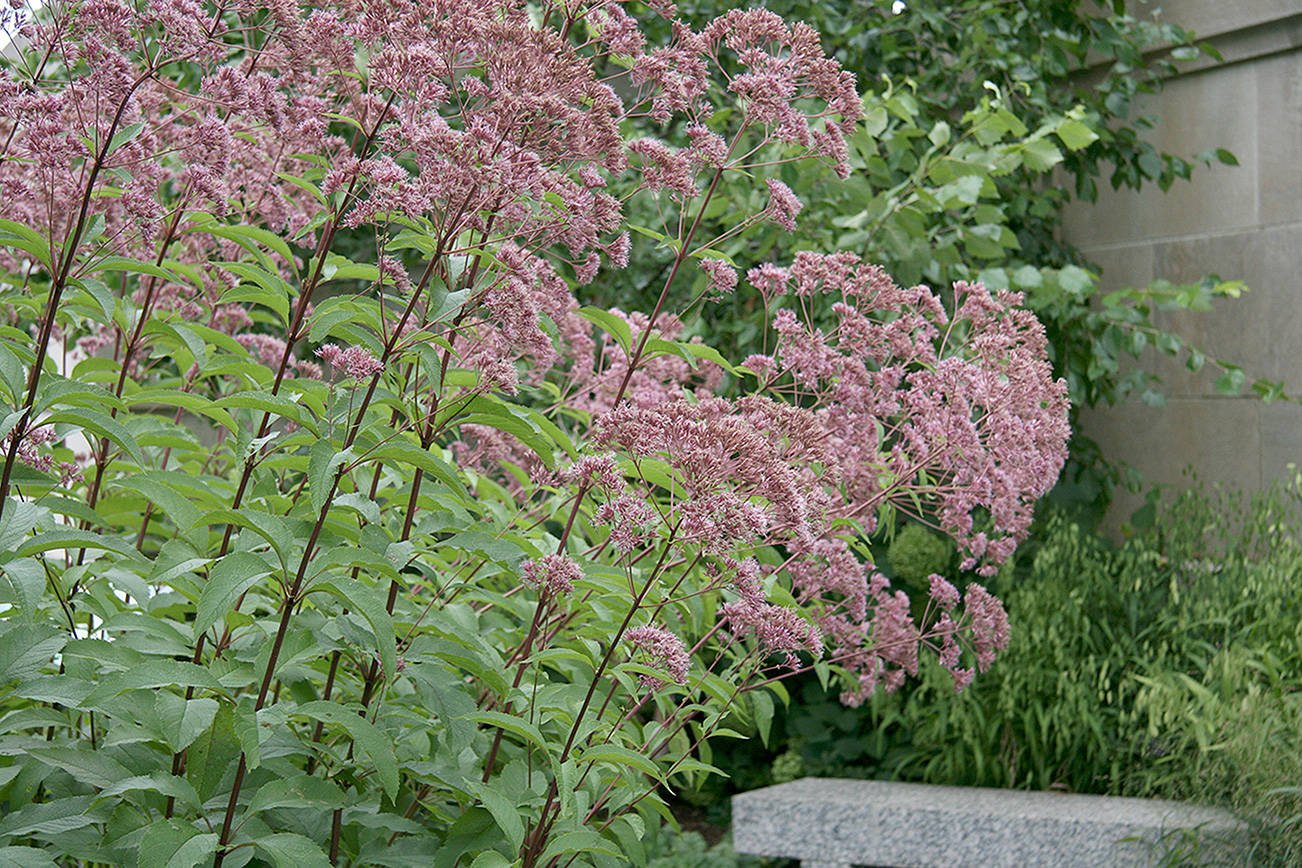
<point x="384" y="549"/>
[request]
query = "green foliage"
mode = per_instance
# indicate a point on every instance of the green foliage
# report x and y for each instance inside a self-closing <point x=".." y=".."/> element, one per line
<point x="916" y="553"/>
<point x="672" y="849"/>
<point x="1168" y="667"/>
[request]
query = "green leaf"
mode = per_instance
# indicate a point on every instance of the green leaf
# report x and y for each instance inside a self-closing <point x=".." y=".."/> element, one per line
<point x="491" y="859"/>
<point x="227" y="579"/>
<point x="515" y="421"/>
<point x="330" y="315"/>
<point x="366" y="600"/>
<point x="263" y="288"/>
<point x="276" y="405"/>
<point x="1075" y="280"/>
<point x="61" y="689"/>
<point x="939" y="135"/>
<point x="323" y="461"/>
<point x="1230" y="382"/>
<point x="212" y="754"/>
<point x="614" y="325"/>
<point x="124" y="135"/>
<point x="166" y="500"/>
<point x="304" y="185"/>
<point x="151" y="676"/>
<point x="102" y="425"/>
<point x="27" y="648"/>
<point x="1226" y="157"/>
<point x="245" y="724"/>
<point x="875" y="121"/>
<point x="182" y="720"/>
<point x="184" y="400"/>
<point x="401" y="449"/>
<point x="288" y="850"/>
<point x="174" y="844"/>
<point x="26" y="578"/>
<point x="364" y="734"/>
<point x="1028" y="277"/>
<point x="18" y="520"/>
<point x="158" y="782"/>
<point x="84" y="764"/>
<point x="100" y="294"/>
<point x="298" y="791"/>
<point x="249" y="237"/>
<point x="504" y="811"/>
<point x="64" y="537"/>
<point x="27" y="239"/>
<point x="464" y="835"/>
<point x="272" y="528"/>
<point x="49" y="818"/>
<point x="512" y="724"/>
<point x="133" y="266"/>
<point x="1075" y="135"/>
<point x="1040" y="155"/>
<point x="763" y="713"/>
<point x="622" y="757"/>
<point x="25" y="857"/>
<point x="578" y="841"/>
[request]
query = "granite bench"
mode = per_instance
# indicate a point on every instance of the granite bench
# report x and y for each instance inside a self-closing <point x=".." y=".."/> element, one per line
<point x="834" y="823"/>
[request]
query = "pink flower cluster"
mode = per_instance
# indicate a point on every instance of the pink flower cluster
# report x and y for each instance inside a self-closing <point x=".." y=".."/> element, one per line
<point x="663" y="650"/>
<point x="902" y="402"/>
<point x="30" y="453"/>
<point x="356" y="363"/>
<point x="909" y="391"/>
<point x="554" y="574"/>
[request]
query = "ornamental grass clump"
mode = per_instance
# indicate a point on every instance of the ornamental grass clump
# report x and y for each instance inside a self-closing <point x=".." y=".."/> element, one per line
<point x="334" y="529"/>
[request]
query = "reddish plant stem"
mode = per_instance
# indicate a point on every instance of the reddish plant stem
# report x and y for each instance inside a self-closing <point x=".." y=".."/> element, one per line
<point x="128" y="351"/>
<point x="533" y="847"/>
<point x="56" y="290"/>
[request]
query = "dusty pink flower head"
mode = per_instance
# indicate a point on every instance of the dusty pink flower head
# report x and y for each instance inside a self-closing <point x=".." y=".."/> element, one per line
<point x="663" y="649"/>
<point x="942" y="592"/>
<point x="355" y="362"/>
<point x="600" y="469"/>
<point x="664" y="168"/>
<point x="707" y="147"/>
<point x="630" y="520"/>
<point x="783" y="205"/>
<point x="989" y="624"/>
<point x="554" y="573"/>
<point x="723" y="277"/>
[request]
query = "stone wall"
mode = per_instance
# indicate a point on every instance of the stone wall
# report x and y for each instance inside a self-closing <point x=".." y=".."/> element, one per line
<point x="1242" y="222"/>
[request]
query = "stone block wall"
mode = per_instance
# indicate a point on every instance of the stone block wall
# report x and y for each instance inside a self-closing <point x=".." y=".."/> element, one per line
<point x="1242" y="222"/>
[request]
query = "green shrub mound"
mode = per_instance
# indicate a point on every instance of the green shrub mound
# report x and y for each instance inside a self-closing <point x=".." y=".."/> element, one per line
<point x="916" y="553"/>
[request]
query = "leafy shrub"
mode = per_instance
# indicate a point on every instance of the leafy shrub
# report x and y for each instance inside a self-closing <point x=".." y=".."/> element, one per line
<point x="311" y="559"/>
<point x="1168" y="667"/>
<point x="916" y="553"/>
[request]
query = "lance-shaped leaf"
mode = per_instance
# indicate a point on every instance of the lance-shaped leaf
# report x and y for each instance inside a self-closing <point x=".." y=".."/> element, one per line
<point x="299" y="791"/>
<point x="170" y="843"/>
<point x="322" y="463"/>
<point x="288" y="850"/>
<point x="150" y="676"/>
<point x="229" y="577"/>
<point x="364" y="599"/>
<point x="366" y="735"/>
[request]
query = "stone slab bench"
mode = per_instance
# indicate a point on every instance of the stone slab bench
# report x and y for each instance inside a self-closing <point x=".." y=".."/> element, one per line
<point x="835" y="823"/>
